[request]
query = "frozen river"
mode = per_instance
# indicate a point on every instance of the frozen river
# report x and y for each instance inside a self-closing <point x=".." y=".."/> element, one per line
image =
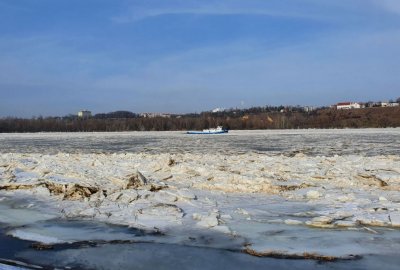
<point x="311" y="142"/>
<point x="295" y="199"/>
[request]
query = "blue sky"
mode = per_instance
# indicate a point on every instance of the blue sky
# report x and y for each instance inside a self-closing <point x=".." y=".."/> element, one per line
<point x="60" y="56"/>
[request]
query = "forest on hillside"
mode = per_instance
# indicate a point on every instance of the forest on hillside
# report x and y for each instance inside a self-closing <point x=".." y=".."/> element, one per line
<point x="236" y="120"/>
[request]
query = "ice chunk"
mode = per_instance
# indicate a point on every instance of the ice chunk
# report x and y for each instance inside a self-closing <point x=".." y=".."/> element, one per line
<point x="395" y="219"/>
<point x="165" y="197"/>
<point x="321" y="221"/>
<point x="211" y="220"/>
<point x="345" y="223"/>
<point x="159" y="215"/>
<point x="222" y="229"/>
<point x="186" y="194"/>
<point x="313" y="195"/>
<point x="293" y="222"/>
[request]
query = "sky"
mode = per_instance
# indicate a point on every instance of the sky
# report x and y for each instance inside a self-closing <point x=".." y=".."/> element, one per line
<point x="178" y="56"/>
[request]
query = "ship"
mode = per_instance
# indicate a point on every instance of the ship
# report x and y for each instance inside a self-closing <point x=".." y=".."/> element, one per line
<point x="218" y="130"/>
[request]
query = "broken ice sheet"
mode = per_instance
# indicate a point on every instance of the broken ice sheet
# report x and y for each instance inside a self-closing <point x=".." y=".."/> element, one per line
<point x="339" y="243"/>
<point x="273" y="189"/>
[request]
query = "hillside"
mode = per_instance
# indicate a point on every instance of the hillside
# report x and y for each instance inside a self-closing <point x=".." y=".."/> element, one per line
<point x="323" y="118"/>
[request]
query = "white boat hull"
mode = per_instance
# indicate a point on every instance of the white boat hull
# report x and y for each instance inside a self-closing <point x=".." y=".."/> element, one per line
<point x="207" y="132"/>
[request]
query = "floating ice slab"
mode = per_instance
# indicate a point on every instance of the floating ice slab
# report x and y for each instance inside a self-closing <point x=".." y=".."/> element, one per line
<point x="59" y="231"/>
<point x="11" y="215"/>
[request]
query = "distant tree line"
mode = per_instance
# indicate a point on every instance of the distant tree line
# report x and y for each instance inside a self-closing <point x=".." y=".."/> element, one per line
<point x="116" y="115"/>
<point x="253" y="118"/>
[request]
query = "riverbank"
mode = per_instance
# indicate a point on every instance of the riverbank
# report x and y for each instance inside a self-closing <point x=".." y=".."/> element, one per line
<point x="325" y="118"/>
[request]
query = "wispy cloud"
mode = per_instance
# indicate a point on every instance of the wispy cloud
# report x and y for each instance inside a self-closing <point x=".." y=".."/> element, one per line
<point x="311" y="9"/>
<point x="390" y="5"/>
<point x="345" y="66"/>
<point x="281" y="51"/>
<point x="280" y="8"/>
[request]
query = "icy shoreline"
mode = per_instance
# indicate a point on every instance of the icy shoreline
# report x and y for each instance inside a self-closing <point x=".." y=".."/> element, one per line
<point x="310" y="206"/>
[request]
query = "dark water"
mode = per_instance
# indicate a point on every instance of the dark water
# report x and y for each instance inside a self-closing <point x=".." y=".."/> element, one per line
<point x="10" y="246"/>
<point x="367" y="142"/>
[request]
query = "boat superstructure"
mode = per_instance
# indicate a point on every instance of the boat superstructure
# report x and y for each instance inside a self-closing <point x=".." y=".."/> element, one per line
<point x="218" y="130"/>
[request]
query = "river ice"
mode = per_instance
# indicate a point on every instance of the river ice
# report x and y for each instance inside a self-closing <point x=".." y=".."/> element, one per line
<point x="320" y="194"/>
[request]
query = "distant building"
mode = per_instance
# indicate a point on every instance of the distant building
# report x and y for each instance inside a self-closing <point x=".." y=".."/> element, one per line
<point x="389" y="104"/>
<point x="84" y="114"/>
<point x="348" y="105"/>
<point x="308" y="108"/>
<point x="216" y="110"/>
